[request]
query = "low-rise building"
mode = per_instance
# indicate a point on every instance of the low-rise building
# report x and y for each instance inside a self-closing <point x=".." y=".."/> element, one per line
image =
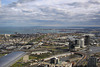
<point x="55" y="62"/>
<point x="39" y="52"/>
<point x="26" y="58"/>
<point x="63" y="64"/>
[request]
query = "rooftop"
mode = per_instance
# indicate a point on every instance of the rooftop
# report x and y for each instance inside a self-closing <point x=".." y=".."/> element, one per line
<point x="11" y="58"/>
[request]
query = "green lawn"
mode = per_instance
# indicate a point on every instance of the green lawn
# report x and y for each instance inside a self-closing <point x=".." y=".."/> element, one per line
<point x="20" y="64"/>
<point x="2" y="55"/>
<point x="41" y="56"/>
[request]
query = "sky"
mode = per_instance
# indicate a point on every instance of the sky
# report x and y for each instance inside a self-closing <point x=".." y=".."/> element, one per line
<point x="50" y="13"/>
<point x="6" y="2"/>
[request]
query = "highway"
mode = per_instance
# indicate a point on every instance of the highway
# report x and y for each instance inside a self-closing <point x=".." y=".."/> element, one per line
<point x="84" y="54"/>
<point x="82" y="60"/>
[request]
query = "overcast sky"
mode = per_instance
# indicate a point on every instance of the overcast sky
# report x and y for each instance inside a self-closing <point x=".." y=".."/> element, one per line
<point x="50" y="13"/>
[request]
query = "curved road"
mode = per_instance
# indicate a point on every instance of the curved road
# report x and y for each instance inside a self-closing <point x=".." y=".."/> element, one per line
<point x="81" y="61"/>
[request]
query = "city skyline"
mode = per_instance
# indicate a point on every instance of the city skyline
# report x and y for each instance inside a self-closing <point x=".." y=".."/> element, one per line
<point x="50" y="13"/>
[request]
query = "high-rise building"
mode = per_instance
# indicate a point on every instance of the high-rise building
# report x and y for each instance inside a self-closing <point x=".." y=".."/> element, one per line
<point x="71" y="46"/>
<point x="87" y="40"/>
<point x="92" y="62"/>
<point x="77" y="43"/>
<point x="81" y="42"/>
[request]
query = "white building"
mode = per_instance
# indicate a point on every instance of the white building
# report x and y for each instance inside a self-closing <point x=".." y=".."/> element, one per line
<point x="81" y="43"/>
<point x="40" y="52"/>
<point x="63" y="64"/>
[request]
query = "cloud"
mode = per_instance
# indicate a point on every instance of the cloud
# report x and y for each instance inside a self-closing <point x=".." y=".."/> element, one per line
<point x="51" y="12"/>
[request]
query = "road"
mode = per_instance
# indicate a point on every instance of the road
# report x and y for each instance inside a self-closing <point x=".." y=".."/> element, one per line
<point x="82" y="60"/>
<point x="86" y="54"/>
<point x="46" y="59"/>
<point x="91" y="50"/>
<point x="61" y="55"/>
